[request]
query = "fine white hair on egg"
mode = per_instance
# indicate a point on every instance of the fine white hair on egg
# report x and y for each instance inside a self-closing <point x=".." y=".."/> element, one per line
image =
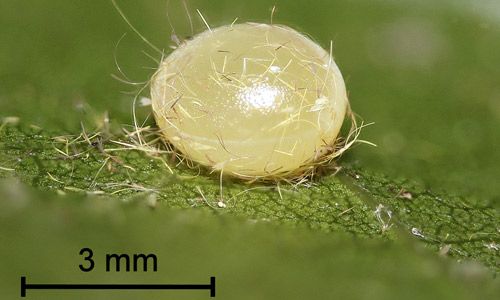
<point x="252" y="100"/>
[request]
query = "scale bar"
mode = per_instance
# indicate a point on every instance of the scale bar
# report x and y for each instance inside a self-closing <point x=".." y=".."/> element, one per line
<point x="71" y="286"/>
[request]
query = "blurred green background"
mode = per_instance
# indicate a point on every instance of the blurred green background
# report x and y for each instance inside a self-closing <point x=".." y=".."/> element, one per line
<point x="426" y="72"/>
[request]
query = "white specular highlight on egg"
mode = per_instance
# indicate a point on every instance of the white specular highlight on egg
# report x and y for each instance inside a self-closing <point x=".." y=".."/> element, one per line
<point x="253" y="100"/>
<point x="260" y="96"/>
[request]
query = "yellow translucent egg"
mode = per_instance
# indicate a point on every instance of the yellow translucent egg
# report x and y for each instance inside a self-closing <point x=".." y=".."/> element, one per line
<point x="252" y="100"/>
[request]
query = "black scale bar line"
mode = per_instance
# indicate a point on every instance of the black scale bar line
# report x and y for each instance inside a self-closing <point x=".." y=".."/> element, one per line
<point x="71" y="286"/>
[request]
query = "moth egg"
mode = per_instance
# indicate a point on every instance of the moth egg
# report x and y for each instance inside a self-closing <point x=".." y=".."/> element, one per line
<point x="252" y="100"/>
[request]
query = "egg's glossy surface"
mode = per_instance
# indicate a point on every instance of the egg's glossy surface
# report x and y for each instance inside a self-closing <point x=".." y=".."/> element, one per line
<point x="253" y="100"/>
